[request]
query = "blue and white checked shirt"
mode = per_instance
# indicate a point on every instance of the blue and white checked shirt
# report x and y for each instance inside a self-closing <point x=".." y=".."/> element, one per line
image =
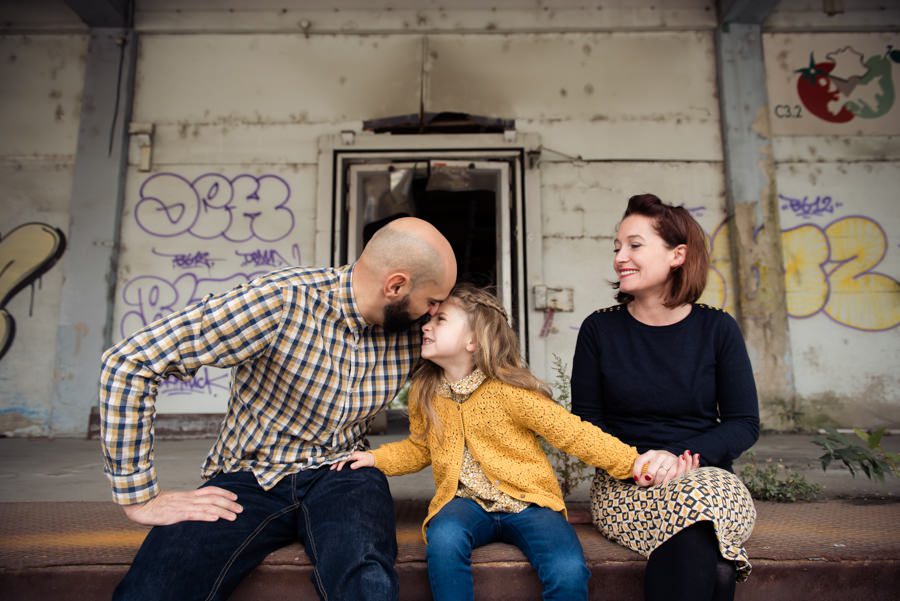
<point x="309" y="374"/>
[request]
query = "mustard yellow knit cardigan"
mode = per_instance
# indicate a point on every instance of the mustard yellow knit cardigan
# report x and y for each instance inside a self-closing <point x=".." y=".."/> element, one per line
<point x="499" y="423"/>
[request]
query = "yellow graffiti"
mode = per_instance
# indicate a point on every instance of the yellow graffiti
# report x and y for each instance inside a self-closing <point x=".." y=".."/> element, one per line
<point x="716" y="292"/>
<point x="826" y="270"/>
<point x="805" y="251"/>
<point x="859" y="298"/>
<point x="26" y="253"/>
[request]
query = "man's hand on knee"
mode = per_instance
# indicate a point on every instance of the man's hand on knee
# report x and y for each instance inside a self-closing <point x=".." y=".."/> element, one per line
<point x="207" y="504"/>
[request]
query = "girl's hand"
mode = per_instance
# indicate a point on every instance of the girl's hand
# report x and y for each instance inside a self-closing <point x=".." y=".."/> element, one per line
<point x="652" y="464"/>
<point x="655" y="468"/>
<point x="357" y="460"/>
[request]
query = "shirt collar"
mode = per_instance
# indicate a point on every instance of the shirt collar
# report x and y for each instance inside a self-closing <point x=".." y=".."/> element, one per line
<point x="464" y="387"/>
<point x="347" y="302"/>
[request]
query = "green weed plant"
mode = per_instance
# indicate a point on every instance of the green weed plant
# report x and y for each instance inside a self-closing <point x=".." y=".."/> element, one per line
<point x="869" y="458"/>
<point x="570" y="471"/>
<point x="772" y="481"/>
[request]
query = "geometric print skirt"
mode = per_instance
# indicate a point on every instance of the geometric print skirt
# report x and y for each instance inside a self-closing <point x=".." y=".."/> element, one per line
<point x="642" y="519"/>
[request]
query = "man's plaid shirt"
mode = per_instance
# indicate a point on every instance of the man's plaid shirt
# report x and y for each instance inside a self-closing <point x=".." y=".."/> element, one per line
<point x="309" y="374"/>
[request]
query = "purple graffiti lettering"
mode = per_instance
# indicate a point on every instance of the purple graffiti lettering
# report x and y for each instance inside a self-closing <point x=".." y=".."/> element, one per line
<point x="696" y="211"/>
<point x="260" y="258"/>
<point x="188" y="260"/>
<point x="152" y="297"/>
<point x="214" y="206"/>
<point x="199" y="382"/>
<point x="806" y="208"/>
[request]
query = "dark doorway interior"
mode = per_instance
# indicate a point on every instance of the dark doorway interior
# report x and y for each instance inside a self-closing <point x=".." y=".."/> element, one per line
<point x="468" y="218"/>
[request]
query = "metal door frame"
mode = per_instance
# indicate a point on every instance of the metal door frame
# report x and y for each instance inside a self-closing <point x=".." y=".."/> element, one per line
<point x="338" y="152"/>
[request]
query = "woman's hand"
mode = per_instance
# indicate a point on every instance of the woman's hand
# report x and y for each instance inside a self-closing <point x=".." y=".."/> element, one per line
<point x="655" y="468"/>
<point x="356" y="460"/>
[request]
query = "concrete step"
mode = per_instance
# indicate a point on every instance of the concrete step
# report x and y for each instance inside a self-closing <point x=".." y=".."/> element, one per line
<point x="841" y="550"/>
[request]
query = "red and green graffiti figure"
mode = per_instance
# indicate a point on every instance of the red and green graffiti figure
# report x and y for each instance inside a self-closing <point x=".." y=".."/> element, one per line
<point x="844" y="86"/>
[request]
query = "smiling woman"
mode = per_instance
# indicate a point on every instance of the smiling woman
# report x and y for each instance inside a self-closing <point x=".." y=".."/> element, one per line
<point x="651" y="247"/>
<point x="662" y="372"/>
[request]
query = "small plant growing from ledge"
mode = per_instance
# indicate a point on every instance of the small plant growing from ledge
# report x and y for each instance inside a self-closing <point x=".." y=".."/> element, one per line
<point x="869" y="458"/>
<point x="570" y="471"/>
<point x="774" y="482"/>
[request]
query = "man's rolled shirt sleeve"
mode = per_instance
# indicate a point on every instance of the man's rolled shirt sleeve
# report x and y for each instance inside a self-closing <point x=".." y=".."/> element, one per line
<point x="219" y="331"/>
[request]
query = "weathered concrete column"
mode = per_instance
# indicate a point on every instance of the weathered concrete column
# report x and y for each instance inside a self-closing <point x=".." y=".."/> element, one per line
<point x="90" y="263"/>
<point x="754" y="228"/>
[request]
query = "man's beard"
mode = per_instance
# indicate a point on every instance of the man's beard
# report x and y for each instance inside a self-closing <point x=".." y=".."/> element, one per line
<point x="397" y="317"/>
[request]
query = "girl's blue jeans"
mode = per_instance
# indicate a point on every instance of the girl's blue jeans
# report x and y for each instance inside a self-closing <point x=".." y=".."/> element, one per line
<point x="345" y="520"/>
<point x="544" y="536"/>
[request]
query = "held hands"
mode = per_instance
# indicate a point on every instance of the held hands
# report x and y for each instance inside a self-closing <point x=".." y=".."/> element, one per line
<point x="655" y="468"/>
<point x="206" y="504"/>
<point x="356" y="460"/>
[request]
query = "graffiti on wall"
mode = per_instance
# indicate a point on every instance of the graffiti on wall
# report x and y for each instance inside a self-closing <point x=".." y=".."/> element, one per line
<point x="830" y="269"/>
<point x="845" y="85"/>
<point x="808" y="207"/>
<point x="212" y="232"/>
<point x="832" y="83"/>
<point x="150" y="297"/>
<point x="26" y="253"/>
<point x="258" y="257"/>
<point x="716" y="291"/>
<point x="212" y="206"/>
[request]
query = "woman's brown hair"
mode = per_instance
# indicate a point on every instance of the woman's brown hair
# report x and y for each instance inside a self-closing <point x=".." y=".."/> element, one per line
<point x="675" y="226"/>
<point x="497" y="355"/>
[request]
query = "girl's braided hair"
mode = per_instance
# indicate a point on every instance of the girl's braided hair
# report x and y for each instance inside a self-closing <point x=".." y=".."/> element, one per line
<point x="471" y="295"/>
<point x="497" y="353"/>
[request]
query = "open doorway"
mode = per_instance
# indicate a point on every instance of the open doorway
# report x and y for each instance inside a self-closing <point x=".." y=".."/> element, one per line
<point x="466" y="201"/>
<point x="474" y="196"/>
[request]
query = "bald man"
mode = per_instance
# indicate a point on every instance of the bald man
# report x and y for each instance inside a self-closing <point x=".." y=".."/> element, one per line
<point x="316" y="353"/>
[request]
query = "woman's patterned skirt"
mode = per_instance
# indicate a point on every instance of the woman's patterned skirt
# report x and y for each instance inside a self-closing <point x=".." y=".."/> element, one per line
<point x="644" y="518"/>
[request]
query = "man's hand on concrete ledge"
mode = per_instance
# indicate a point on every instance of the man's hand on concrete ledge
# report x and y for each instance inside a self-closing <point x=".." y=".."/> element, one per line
<point x="207" y="504"/>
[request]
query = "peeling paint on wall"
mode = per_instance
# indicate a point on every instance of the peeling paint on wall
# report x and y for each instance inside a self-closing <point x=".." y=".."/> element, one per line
<point x="22" y="421"/>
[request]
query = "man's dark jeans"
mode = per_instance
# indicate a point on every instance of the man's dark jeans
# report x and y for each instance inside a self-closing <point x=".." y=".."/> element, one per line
<point x="345" y="520"/>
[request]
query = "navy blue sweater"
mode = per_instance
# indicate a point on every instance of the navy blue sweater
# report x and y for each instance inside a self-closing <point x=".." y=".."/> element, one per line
<point x="686" y="386"/>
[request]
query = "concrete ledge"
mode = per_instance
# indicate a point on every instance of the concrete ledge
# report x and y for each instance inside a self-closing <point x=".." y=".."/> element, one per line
<point x="831" y="550"/>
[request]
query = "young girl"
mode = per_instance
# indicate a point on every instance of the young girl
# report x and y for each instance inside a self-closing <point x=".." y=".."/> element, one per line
<point x="474" y="410"/>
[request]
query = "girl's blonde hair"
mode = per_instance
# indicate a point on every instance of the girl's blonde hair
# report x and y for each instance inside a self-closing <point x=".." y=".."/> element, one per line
<point x="497" y="355"/>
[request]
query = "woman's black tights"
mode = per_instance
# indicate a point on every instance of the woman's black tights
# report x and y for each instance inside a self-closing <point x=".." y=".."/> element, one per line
<point x="689" y="567"/>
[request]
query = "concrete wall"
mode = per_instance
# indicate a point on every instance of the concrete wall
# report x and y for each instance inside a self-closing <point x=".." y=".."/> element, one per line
<point x="624" y="99"/>
<point x="228" y="133"/>
<point x="42" y="77"/>
<point x="837" y="154"/>
<point x="237" y="130"/>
